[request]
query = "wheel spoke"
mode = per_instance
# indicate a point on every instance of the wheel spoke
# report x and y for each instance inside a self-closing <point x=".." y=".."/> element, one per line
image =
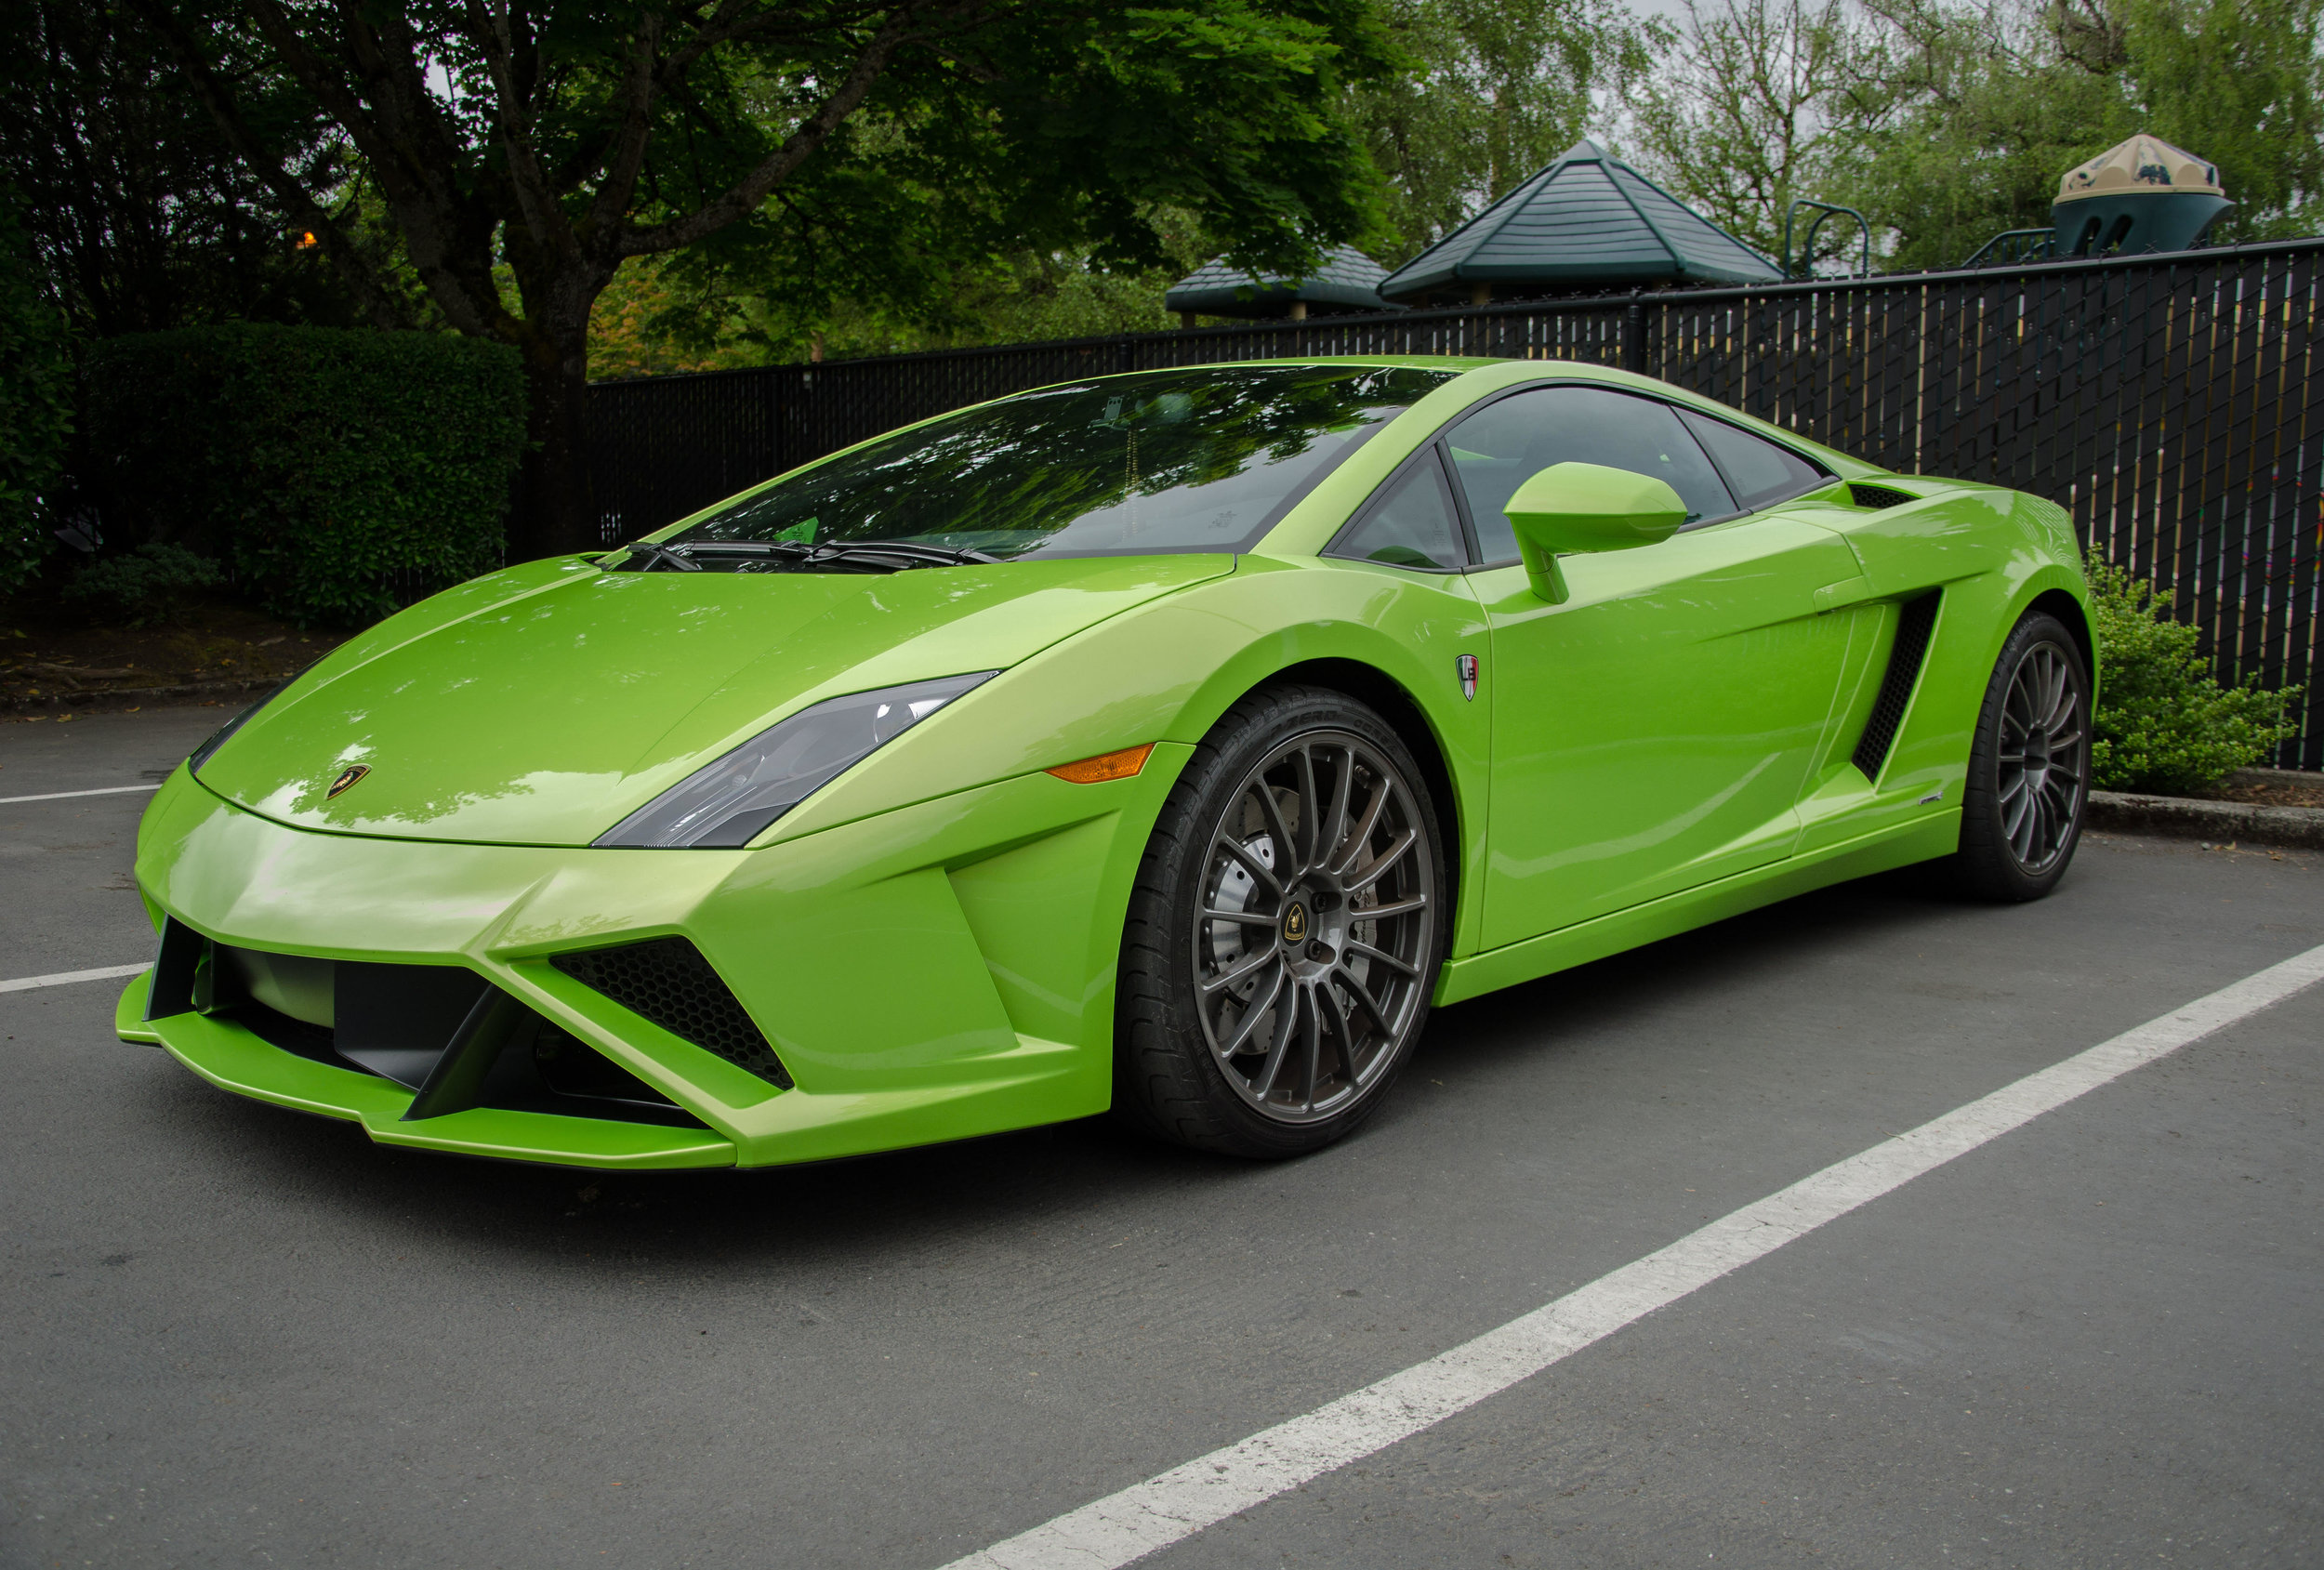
<point x="1250" y="965"/>
<point x="1361" y="836"/>
<point x="1388" y="858"/>
<point x="1335" y="823"/>
<point x="1346" y="978"/>
<point x="1402" y="907"/>
<point x="1286" y="1027"/>
<point x="1303" y="765"/>
<point x="1368" y="951"/>
<point x="1252" y="1013"/>
<point x="1277" y="830"/>
<point x="1346" y="1030"/>
<point x="1315" y="1053"/>
<point x="1240" y="917"/>
<point x="2012" y="785"/>
<point x="1251" y="863"/>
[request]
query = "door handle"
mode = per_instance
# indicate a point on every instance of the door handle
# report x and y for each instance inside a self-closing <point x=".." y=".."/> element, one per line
<point x="1848" y="591"/>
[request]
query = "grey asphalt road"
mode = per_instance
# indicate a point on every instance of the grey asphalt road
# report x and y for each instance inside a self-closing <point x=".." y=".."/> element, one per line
<point x="236" y="1336"/>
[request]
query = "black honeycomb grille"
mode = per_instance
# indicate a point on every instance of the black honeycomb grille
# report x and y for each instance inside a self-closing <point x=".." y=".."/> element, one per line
<point x="667" y="981"/>
<point x="1877" y="496"/>
<point x="1905" y="657"/>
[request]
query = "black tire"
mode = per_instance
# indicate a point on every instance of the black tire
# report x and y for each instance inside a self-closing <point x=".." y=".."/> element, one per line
<point x="2028" y="767"/>
<point x="1267" y="1021"/>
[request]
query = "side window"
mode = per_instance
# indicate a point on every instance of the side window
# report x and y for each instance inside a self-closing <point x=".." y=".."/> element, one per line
<point x="1760" y="471"/>
<point x="1412" y="526"/>
<point x="1503" y="444"/>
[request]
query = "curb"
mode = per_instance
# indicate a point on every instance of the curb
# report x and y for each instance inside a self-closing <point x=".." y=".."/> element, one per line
<point x="98" y="700"/>
<point x="2182" y="817"/>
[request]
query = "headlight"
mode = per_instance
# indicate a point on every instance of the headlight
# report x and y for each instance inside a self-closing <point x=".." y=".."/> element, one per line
<point x="729" y="802"/>
<point x="201" y="755"/>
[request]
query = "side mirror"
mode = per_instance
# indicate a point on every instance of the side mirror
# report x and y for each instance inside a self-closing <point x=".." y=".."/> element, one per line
<point x="1570" y="508"/>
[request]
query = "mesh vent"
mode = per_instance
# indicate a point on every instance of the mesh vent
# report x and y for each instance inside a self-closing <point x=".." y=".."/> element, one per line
<point x="1918" y="616"/>
<point x="669" y="981"/>
<point x="1877" y="496"/>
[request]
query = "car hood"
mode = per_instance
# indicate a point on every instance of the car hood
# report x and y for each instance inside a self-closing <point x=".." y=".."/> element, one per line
<point x="543" y="705"/>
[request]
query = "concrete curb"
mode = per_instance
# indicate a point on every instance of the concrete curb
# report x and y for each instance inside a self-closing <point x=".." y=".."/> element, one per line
<point x="100" y="700"/>
<point x="2186" y="818"/>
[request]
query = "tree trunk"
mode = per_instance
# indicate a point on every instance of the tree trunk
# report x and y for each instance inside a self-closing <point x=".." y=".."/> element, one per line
<point x="556" y="512"/>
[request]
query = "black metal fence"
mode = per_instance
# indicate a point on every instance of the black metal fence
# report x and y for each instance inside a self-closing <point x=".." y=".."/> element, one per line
<point x="2174" y="405"/>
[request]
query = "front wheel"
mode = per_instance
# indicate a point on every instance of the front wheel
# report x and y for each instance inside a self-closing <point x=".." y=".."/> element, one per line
<point x="2028" y="767"/>
<point x="1285" y="932"/>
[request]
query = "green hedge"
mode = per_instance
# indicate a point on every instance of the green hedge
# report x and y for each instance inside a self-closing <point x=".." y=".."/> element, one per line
<point x="35" y="407"/>
<point x="339" y="474"/>
<point x="2163" y="722"/>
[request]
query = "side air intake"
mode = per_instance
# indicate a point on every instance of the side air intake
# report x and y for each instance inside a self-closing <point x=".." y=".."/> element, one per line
<point x="1916" y="620"/>
<point x="1878" y="496"/>
<point x="669" y="981"/>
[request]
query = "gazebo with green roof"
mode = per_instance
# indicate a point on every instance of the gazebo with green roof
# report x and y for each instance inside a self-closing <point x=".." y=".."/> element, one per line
<point x="1348" y="279"/>
<point x="1588" y="221"/>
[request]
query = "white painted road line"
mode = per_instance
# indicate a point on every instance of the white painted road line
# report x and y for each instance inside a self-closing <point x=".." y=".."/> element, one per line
<point x="66" y="978"/>
<point x="1152" y="1515"/>
<point x="62" y="795"/>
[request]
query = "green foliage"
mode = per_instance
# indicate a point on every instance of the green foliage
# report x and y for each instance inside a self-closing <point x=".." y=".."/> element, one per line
<point x="338" y="473"/>
<point x="2164" y="722"/>
<point x="1492" y="91"/>
<point x="35" y="408"/>
<point x="153" y="583"/>
<point x="1950" y="121"/>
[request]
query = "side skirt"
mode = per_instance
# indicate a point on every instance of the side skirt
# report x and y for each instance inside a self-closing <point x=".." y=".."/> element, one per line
<point x="1920" y="841"/>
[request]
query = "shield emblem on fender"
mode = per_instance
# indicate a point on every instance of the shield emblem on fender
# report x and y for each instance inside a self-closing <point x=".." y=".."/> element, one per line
<point x="349" y="778"/>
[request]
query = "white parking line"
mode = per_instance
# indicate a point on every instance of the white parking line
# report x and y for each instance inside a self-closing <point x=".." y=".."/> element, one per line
<point x="66" y="978"/>
<point x="1152" y="1515"/>
<point x="61" y="794"/>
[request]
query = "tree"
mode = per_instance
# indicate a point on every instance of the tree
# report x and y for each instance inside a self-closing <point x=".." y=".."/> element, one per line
<point x="1750" y="108"/>
<point x="1493" y="91"/>
<point x="142" y="217"/>
<point x="525" y="149"/>
<point x="35" y="407"/>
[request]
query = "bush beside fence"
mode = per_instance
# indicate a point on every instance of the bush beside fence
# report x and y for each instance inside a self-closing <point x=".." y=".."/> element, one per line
<point x="339" y="474"/>
<point x="2174" y="405"/>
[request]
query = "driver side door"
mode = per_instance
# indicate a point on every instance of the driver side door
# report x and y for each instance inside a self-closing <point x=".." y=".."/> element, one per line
<point x="1654" y="731"/>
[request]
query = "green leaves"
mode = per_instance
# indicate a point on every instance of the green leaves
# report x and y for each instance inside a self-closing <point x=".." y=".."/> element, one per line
<point x="2163" y="722"/>
<point x="35" y="408"/>
<point x="340" y="474"/>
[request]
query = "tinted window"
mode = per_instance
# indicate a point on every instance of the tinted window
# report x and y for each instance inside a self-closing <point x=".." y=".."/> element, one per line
<point x="1760" y="471"/>
<point x="1168" y="460"/>
<point x="1412" y="526"/>
<point x="1503" y="444"/>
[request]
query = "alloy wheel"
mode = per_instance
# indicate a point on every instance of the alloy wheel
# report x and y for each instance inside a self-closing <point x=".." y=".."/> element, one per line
<point x="1315" y="927"/>
<point x="2043" y="757"/>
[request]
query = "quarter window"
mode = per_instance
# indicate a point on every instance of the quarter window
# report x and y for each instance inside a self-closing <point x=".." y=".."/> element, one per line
<point x="1503" y="444"/>
<point x="1760" y="471"/>
<point x="1412" y="526"/>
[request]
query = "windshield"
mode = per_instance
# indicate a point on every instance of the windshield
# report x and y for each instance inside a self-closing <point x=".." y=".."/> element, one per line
<point x="1193" y="460"/>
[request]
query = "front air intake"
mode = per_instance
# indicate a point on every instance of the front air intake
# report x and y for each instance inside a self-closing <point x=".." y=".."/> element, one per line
<point x="668" y="982"/>
<point x="1915" y="620"/>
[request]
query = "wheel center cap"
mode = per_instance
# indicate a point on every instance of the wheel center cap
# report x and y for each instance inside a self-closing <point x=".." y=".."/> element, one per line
<point x="1297" y="923"/>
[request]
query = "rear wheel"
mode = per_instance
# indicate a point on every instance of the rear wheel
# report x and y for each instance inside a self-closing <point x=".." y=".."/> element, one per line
<point x="2029" y="768"/>
<point x="1285" y="932"/>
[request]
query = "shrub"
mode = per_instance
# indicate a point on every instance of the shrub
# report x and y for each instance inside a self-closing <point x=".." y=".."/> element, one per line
<point x="151" y="584"/>
<point x="339" y="474"/>
<point x="2162" y="723"/>
<point x="35" y="407"/>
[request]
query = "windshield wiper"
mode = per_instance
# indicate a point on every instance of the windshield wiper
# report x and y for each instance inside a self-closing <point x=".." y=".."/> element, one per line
<point x="655" y="555"/>
<point x="892" y="555"/>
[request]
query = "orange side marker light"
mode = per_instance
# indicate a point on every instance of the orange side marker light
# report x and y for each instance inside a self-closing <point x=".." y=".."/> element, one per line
<point x="1104" y="766"/>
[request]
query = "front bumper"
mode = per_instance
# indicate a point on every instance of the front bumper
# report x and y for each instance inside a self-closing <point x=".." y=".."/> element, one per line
<point x="936" y="972"/>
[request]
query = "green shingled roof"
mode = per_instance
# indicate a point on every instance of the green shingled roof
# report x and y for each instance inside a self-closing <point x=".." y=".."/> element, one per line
<point x="1347" y="279"/>
<point x="1586" y="218"/>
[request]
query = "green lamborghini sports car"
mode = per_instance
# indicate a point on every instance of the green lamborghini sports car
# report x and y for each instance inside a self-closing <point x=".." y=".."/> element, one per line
<point x="1167" y="741"/>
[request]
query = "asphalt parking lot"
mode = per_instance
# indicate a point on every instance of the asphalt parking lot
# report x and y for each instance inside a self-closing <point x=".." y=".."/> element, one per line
<point x="238" y="1335"/>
